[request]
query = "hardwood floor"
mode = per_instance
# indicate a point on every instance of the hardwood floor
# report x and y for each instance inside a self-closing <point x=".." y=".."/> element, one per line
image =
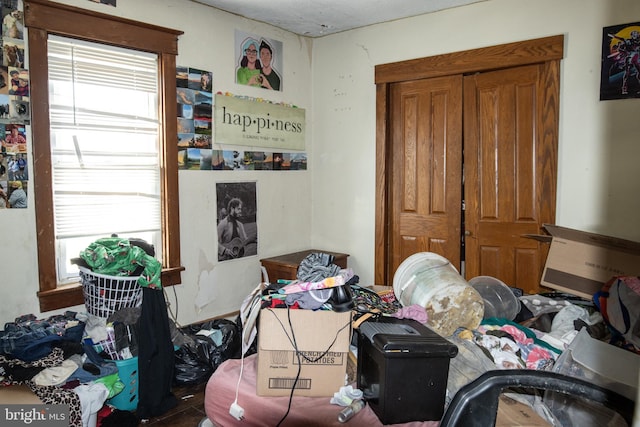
<point x="188" y="413"/>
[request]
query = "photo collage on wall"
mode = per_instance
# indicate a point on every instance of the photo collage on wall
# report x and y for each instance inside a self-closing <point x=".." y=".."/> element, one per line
<point x="14" y="108"/>
<point x="195" y="113"/>
<point x="195" y="129"/>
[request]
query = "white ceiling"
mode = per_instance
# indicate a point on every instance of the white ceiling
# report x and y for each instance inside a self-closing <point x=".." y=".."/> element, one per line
<point x="317" y="18"/>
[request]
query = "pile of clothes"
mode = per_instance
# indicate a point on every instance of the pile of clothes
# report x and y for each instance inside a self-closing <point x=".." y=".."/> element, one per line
<point x="72" y="358"/>
<point x="57" y="360"/>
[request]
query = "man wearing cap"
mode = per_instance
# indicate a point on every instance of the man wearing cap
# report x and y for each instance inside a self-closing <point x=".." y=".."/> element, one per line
<point x="271" y="79"/>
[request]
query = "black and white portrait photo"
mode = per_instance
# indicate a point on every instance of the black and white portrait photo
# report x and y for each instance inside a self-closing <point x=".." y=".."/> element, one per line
<point x="237" y="220"/>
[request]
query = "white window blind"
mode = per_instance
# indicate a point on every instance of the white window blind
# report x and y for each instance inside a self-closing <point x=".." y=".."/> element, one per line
<point x="103" y="104"/>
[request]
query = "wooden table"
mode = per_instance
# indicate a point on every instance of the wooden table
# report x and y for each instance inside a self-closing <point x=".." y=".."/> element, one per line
<point x="286" y="266"/>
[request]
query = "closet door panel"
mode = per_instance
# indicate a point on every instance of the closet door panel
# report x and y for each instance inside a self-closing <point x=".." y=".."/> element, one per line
<point x="501" y="138"/>
<point x="426" y="168"/>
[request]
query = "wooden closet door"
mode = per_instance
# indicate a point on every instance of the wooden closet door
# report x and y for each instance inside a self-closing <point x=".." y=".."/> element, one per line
<point x="426" y="169"/>
<point x="423" y="225"/>
<point x="505" y="164"/>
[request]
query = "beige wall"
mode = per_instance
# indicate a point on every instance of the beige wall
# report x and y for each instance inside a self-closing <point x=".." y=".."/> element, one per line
<point x="284" y="210"/>
<point x="599" y="145"/>
<point x="331" y="205"/>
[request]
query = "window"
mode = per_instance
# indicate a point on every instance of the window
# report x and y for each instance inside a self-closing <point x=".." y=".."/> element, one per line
<point x="95" y="163"/>
<point x="104" y="128"/>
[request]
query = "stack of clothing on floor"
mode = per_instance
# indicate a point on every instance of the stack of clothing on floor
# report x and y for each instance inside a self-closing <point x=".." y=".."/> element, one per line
<point x="80" y="359"/>
<point x="55" y="358"/>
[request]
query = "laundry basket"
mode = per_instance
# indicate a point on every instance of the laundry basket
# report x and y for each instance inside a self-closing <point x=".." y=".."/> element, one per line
<point x="104" y="295"/>
<point x="127" y="399"/>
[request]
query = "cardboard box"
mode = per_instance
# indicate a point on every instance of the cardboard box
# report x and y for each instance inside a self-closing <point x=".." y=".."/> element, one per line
<point x="580" y="263"/>
<point x="322" y="336"/>
<point x="18" y="394"/>
<point x="512" y="413"/>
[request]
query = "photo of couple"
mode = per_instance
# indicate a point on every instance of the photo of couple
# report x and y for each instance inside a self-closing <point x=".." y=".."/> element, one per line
<point x="259" y="61"/>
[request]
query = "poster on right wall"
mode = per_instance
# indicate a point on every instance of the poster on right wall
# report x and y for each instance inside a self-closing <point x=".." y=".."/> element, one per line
<point x="620" y="75"/>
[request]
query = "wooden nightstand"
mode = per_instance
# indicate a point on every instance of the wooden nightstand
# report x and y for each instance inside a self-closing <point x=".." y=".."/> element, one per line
<point x="286" y="266"/>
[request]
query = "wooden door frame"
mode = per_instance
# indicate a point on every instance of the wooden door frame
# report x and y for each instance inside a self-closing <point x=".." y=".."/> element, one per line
<point x="547" y="50"/>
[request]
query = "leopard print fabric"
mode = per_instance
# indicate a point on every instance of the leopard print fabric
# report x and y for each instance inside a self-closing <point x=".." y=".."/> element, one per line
<point x="55" y="358"/>
<point x="50" y="395"/>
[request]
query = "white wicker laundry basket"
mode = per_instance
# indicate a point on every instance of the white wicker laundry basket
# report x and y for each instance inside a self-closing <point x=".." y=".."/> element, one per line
<point x="104" y="295"/>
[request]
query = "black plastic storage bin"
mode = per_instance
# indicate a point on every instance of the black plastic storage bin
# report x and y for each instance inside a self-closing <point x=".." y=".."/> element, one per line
<point x="403" y="368"/>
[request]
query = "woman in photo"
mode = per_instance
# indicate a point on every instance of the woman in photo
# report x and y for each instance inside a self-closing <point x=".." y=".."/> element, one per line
<point x="15" y="142"/>
<point x="249" y="71"/>
<point x="18" y="197"/>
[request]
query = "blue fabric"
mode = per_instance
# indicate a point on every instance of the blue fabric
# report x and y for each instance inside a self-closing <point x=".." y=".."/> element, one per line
<point x="29" y="339"/>
<point x="38" y="348"/>
<point x="16" y="339"/>
<point x="85" y="376"/>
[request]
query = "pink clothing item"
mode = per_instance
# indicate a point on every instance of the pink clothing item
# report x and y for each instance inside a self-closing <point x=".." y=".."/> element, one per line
<point x="517" y="334"/>
<point x="538" y="357"/>
<point x="415" y="312"/>
<point x="330" y="282"/>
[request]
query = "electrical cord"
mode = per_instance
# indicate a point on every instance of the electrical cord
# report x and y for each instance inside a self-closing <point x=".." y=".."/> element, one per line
<point x="173" y="316"/>
<point x="308" y="359"/>
<point x="235" y="409"/>
<point x="295" y="382"/>
<point x="248" y="310"/>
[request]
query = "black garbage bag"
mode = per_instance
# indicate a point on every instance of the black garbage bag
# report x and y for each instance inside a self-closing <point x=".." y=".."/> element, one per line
<point x="253" y="347"/>
<point x="194" y="363"/>
<point x="189" y="369"/>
